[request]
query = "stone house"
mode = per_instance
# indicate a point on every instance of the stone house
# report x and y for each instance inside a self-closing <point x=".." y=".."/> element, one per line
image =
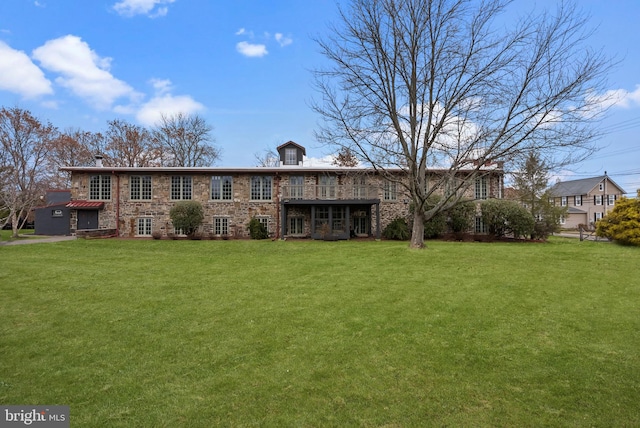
<point x="587" y="200"/>
<point x="291" y="200"/>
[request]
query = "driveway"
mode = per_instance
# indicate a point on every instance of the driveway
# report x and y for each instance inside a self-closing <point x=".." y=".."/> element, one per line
<point x="33" y="239"/>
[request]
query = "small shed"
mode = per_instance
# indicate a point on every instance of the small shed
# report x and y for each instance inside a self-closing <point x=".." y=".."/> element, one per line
<point x="54" y="218"/>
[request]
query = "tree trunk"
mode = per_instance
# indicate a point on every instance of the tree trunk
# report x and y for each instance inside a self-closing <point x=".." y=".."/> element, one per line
<point x="417" y="231"/>
<point x="14" y="224"/>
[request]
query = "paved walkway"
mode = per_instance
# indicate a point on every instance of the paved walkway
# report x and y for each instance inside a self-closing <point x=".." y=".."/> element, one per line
<point x="34" y="239"/>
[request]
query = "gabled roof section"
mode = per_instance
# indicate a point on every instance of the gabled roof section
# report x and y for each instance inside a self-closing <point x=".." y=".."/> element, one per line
<point x="581" y="187"/>
<point x="291" y="143"/>
<point x="85" y="205"/>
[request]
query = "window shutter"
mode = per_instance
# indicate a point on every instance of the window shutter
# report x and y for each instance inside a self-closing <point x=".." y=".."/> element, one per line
<point x="594" y="199"/>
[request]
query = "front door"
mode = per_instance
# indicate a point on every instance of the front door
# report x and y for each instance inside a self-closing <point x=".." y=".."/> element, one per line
<point x="87" y="219"/>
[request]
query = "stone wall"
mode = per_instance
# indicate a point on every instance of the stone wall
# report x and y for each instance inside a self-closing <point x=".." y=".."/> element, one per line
<point x="238" y="211"/>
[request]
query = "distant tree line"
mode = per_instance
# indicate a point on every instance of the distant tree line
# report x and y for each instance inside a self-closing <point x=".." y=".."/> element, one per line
<point x="33" y="151"/>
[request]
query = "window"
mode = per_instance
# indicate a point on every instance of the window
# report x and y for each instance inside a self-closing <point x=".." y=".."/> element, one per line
<point x="220" y="226"/>
<point x="222" y="188"/>
<point x="322" y="219"/>
<point x="597" y="216"/>
<point x="480" y="227"/>
<point x="597" y="199"/>
<point x="390" y="190"/>
<point x="577" y="200"/>
<point x="265" y="222"/>
<point x="181" y="186"/>
<point x="261" y="188"/>
<point x="601" y="187"/>
<point x="359" y="187"/>
<point x="327" y="187"/>
<point x="291" y="156"/>
<point x="563" y="201"/>
<point x="140" y="187"/>
<point x="100" y="187"/>
<point x="450" y="186"/>
<point x="611" y="199"/>
<point x="296" y="187"/>
<point x="144" y="227"/>
<point x="481" y="188"/>
<point x="562" y="220"/>
<point x="296" y="226"/>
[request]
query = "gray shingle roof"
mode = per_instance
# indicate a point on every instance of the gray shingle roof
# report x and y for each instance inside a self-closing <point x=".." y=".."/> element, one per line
<point x="580" y="187"/>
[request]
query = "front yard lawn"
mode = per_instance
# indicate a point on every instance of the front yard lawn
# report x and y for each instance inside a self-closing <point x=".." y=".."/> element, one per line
<point x="261" y="333"/>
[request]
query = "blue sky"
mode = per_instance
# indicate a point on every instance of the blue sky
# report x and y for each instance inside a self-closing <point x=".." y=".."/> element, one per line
<point x="244" y="65"/>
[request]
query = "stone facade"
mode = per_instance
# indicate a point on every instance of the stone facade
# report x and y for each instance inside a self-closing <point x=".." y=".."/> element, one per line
<point x="362" y="191"/>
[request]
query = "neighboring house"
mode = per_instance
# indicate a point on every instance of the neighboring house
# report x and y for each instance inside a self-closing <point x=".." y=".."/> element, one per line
<point x="291" y="200"/>
<point x="54" y="217"/>
<point x="587" y="200"/>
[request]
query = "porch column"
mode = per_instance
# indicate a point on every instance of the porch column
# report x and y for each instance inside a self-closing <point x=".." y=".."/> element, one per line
<point x="283" y="220"/>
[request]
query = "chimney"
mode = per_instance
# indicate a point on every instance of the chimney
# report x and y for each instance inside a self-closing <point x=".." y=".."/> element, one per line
<point x="98" y="161"/>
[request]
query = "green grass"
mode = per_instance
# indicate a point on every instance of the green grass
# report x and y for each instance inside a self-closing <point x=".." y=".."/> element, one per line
<point x="248" y="333"/>
<point x="5" y="235"/>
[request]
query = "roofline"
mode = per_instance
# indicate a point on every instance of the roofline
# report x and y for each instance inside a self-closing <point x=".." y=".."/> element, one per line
<point x="601" y="177"/>
<point x="255" y="169"/>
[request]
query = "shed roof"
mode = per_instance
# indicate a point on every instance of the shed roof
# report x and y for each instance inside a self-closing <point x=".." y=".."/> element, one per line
<point x="85" y="205"/>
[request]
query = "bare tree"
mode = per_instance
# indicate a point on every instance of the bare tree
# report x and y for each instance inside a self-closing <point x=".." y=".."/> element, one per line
<point x="420" y="84"/>
<point x="185" y="140"/>
<point x="129" y="145"/>
<point x="25" y="142"/>
<point x="73" y="147"/>
<point x="268" y="158"/>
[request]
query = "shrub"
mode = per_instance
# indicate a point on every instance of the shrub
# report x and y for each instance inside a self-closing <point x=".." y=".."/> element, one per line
<point x="462" y="216"/>
<point x="435" y="226"/>
<point x="622" y="224"/>
<point x="156" y="234"/>
<point x="503" y="217"/>
<point x="187" y="215"/>
<point x="257" y="230"/>
<point x="397" y="230"/>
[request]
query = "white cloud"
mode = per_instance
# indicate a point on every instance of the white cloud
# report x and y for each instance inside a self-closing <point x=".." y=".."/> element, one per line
<point x="161" y="86"/>
<point x="615" y="98"/>
<point x="151" y="8"/>
<point x="241" y="31"/>
<point x="252" y="50"/>
<point x="18" y="74"/>
<point x="283" y="40"/>
<point x="82" y="71"/>
<point x="164" y="103"/>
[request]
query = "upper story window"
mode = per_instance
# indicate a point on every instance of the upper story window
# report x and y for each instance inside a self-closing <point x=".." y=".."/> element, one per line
<point x="140" y="187"/>
<point x="597" y="199"/>
<point x="563" y="201"/>
<point x="577" y="200"/>
<point x="611" y="199"/>
<point x="181" y="187"/>
<point x="390" y="190"/>
<point x="359" y="187"/>
<point x="290" y="156"/>
<point x="296" y="187"/>
<point x="481" y="188"/>
<point x="222" y="188"/>
<point x="327" y="186"/>
<point x="601" y="187"/>
<point x="100" y="187"/>
<point x="261" y="188"/>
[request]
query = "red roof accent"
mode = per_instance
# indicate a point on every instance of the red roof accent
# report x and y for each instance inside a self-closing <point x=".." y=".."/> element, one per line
<point x="85" y="205"/>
